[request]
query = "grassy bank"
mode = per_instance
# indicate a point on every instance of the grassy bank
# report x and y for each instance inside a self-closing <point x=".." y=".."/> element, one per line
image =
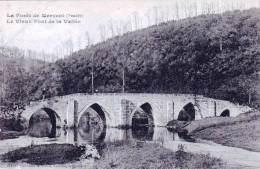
<point x="120" y="154"/>
<point x="242" y="131"/>
<point x="148" y="155"/>
<point x="45" y="154"/>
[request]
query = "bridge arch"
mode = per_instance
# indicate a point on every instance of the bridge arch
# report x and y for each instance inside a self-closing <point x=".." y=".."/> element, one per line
<point x="102" y="113"/>
<point x="145" y="109"/>
<point x="189" y="112"/>
<point x="92" y="122"/>
<point x="54" y="118"/>
<point x="40" y="114"/>
<point x="225" y="113"/>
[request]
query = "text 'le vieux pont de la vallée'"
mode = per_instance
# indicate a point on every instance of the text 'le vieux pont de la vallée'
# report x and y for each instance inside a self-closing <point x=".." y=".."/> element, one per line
<point x="44" y="18"/>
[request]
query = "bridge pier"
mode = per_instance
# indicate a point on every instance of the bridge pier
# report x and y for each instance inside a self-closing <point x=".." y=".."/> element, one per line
<point x="72" y="113"/>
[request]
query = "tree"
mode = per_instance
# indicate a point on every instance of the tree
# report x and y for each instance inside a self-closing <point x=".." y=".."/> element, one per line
<point x="70" y="46"/>
<point x="88" y="39"/>
<point x="156" y="15"/>
<point x="79" y="43"/>
<point x="148" y="17"/>
<point x="136" y="20"/>
<point x="161" y="15"/>
<point x="111" y="28"/>
<point x="102" y="32"/>
<point x="177" y="11"/>
<point x="119" y="28"/>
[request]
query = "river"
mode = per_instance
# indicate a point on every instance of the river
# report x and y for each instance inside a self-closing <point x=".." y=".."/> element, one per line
<point x="234" y="157"/>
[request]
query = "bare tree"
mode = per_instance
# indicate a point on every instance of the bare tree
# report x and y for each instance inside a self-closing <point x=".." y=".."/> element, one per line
<point x="167" y="13"/>
<point x="124" y="27"/>
<point x="140" y="23"/>
<point x="88" y="39"/>
<point x="3" y="78"/>
<point x="43" y="56"/>
<point x="190" y="9"/>
<point x="177" y="11"/>
<point x="70" y="44"/>
<point x="119" y="28"/>
<point x="79" y="42"/>
<point x="66" y="47"/>
<point x="155" y="15"/>
<point x="195" y="6"/>
<point x="129" y="23"/>
<point x="161" y="18"/>
<point x="185" y="8"/>
<point x="111" y="28"/>
<point x="3" y="44"/>
<point x="102" y="32"/>
<point x="29" y="52"/>
<point x="136" y="20"/>
<point x="60" y="48"/>
<point x="57" y="52"/>
<point x="148" y="17"/>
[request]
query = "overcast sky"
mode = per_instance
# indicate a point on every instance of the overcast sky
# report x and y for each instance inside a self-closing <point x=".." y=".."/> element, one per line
<point x="46" y="37"/>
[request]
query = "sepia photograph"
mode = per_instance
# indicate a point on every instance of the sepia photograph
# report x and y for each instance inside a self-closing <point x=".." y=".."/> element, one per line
<point x="130" y="84"/>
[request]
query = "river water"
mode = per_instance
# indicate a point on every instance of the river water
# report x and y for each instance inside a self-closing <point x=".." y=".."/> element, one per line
<point x="234" y="157"/>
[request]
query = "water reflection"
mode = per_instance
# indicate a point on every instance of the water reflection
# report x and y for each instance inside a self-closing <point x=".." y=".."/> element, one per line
<point x="44" y="128"/>
<point x="92" y="134"/>
<point x="142" y="133"/>
<point x="95" y="133"/>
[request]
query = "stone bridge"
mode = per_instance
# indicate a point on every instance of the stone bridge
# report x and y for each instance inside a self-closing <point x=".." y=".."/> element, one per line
<point x="119" y="108"/>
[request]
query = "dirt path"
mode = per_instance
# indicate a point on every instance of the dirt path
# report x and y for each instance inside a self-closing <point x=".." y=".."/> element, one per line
<point x="234" y="157"/>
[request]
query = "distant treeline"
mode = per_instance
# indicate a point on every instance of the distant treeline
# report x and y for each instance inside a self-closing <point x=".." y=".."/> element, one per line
<point x="213" y="55"/>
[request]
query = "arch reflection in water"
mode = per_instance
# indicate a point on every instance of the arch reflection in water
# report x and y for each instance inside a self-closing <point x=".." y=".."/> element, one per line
<point x="92" y="124"/>
<point x="93" y="134"/>
<point x="181" y="135"/>
<point x="143" y="133"/>
<point x="43" y="123"/>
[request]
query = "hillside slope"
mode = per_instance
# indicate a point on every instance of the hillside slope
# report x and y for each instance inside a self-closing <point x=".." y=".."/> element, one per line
<point x="214" y="55"/>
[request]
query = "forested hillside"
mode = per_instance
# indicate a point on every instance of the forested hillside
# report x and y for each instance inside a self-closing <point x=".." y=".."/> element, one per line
<point x="213" y="55"/>
<point x="24" y="79"/>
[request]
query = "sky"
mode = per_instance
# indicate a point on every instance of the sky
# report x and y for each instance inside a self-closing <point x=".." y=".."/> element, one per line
<point x="47" y="36"/>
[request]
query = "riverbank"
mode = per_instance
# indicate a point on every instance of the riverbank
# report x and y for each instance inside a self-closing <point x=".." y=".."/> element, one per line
<point x="10" y="128"/>
<point x="119" y="154"/>
<point x="10" y="134"/>
<point x="242" y="131"/>
<point x="45" y="154"/>
<point x="123" y="154"/>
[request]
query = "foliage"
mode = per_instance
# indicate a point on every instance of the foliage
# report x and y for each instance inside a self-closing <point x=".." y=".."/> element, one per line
<point x="213" y="55"/>
<point x="23" y="80"/>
